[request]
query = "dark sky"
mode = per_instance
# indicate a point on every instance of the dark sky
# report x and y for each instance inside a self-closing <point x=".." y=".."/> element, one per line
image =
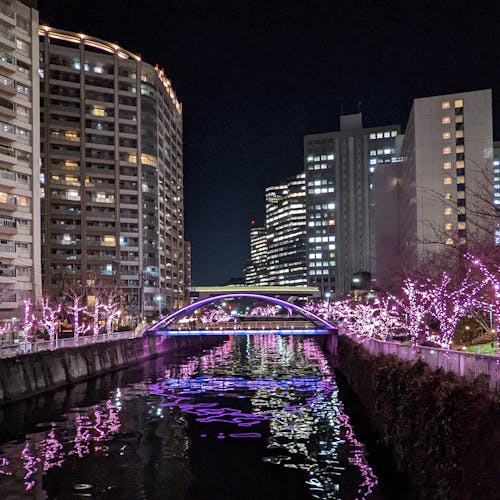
<point x="255" y="76"/>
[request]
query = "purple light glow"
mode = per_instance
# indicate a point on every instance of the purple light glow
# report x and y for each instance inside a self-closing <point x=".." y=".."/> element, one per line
<point x="190" y="308"/>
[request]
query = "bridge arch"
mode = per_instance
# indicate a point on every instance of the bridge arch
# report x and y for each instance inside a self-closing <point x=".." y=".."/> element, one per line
<point x="171" y="318"/>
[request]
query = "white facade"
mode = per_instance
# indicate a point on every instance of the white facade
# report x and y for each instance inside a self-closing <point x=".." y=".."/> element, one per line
<point x="20" y="265"/>
<point x="446" y="170"/>
<point x="112" y="165"/>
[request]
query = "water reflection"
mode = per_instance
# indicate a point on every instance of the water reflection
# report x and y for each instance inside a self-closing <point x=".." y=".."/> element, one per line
<point x="271" y="399"/>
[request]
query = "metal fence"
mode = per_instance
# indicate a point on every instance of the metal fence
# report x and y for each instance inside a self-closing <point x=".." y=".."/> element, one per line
<point x="10" y="349"/>
<point x="462" y="363"/>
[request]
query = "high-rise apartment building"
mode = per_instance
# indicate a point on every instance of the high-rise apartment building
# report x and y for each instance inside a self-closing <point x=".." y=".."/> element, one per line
<point x="441" y="191"/>
<point x="20" y="272"/>
<point x="256" y="272"/>
<point x="286" y="231"/>
<point x="339" y="169"/>
<point x="112" y="173"/>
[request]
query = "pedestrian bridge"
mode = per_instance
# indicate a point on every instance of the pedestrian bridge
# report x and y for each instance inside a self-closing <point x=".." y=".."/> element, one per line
<point x="166" y="325"/>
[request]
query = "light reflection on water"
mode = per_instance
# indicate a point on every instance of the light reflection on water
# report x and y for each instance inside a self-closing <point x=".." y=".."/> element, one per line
<point x="275" y="390"/>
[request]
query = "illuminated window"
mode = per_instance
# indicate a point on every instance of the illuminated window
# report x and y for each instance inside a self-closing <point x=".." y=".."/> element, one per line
<point x="3" y="197"/>
<point x="394" y="133"/>
<point x="460" y="149"/>
<point x="22" y="201"/>
<point x="97" y="111"/>
<point x="447" y="165"/>
<point x="448" y="226"/>
<point x="460" y="179"/>
<point x="72" y="195"/>
<point x="445" y="120"/>
<point x="459" y="134"/>
<point x="460" y="164"/>
<point x="461" y="210"/>
<point x="73" y="181"/>
<point x="446" y="135"/>
<point x="461" y="225"/>
<point x="70" y="164"/>
<point x="109" y="241"/>
<point x="447" y="180"/>
<point x="445" y="105"/>
<point x="459" y="118"/>
<point x="459" y="103"/>
<point x="449" y="241"/>
<point x="447" y="196"/>
<point x="447" y="150"/>
<point x="71" y="135"/>
<point x="373" y="136"/>
<point x="448" y="211"/>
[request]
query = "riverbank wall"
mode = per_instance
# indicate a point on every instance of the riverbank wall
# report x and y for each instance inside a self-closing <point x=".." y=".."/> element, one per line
<point x="441" y="429"/>
<point x="30" y="374"/>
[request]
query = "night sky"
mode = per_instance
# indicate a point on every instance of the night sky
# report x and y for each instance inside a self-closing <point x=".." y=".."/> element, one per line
<point x="255" y="76"/>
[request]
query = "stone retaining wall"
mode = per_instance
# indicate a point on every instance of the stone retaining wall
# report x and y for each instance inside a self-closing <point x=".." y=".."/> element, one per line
<point x="30" y="374"/>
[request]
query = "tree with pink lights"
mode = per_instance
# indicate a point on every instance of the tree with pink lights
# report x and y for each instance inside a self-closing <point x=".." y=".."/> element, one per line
<point x="112" y="310"/>
<point x="415" y="304"/>
<point x="98" y="306"/>
<point x="215" y="316"/>
<point x="50" y="319"/>
<point x="29" y="320"/>
<point x="77" y="311"/>
<point x="267" y="311"/>
<point x="449" y="303"/>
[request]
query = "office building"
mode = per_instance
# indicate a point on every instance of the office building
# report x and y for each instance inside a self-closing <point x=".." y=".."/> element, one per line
<point x="256" y="272"/>
<point x="278" y="250"/>
<point x="441" y="191"/>
<point x="20" y="265"/>
<point x="112" y="174"/>
<point x="286" y="232"/>
<point x="339" y="168"/>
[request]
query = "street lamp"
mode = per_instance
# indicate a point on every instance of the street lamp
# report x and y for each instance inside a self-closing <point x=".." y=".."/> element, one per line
<point x="158" y="299"/>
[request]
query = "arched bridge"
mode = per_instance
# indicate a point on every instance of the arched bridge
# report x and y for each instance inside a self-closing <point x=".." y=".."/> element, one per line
<point x="164" y="323"/>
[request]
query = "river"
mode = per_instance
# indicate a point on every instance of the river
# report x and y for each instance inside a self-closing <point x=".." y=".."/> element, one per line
<point x="256" y="417"/>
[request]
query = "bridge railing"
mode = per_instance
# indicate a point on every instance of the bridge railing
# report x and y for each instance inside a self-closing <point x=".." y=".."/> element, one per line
<point x="10" y="349"/>
<point x="462" y="363"/>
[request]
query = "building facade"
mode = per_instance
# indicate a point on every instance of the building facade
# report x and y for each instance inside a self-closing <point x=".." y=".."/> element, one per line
<point x="20" y="264"/>
<point x="112" y="174"/>
<point x="496" y="190"/>
<point x="286" y="232"/>
<point x="339" y="169"/>
<point x="256" y="271"/>
<point x="441" y="190"/>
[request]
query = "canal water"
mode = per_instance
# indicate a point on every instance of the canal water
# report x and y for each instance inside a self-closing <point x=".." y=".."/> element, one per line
<point x="255" y="417"/>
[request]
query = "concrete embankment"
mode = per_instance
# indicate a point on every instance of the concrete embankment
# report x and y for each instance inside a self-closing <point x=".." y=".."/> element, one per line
<point x="441" y="429"/>
<point x="26" y="375"/>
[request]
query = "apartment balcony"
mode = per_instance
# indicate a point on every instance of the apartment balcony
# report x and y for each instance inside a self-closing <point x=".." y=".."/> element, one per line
<point x="8" y="204"/>
<point x="7" y="39"/>
<point x="8" y="179"/>
<point x="7" y="250"/>
<point x="9" y="303"/>
<point x="7" y="87"/>
<point x="8" y="132"/>
<point x="7" y="275"/>
<point x="7" y="16"/>
<point x="7" y="109"/>
<point x="7" y="63"/>
<point x="7" y="156"/>
<point x="7" y="226"/>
